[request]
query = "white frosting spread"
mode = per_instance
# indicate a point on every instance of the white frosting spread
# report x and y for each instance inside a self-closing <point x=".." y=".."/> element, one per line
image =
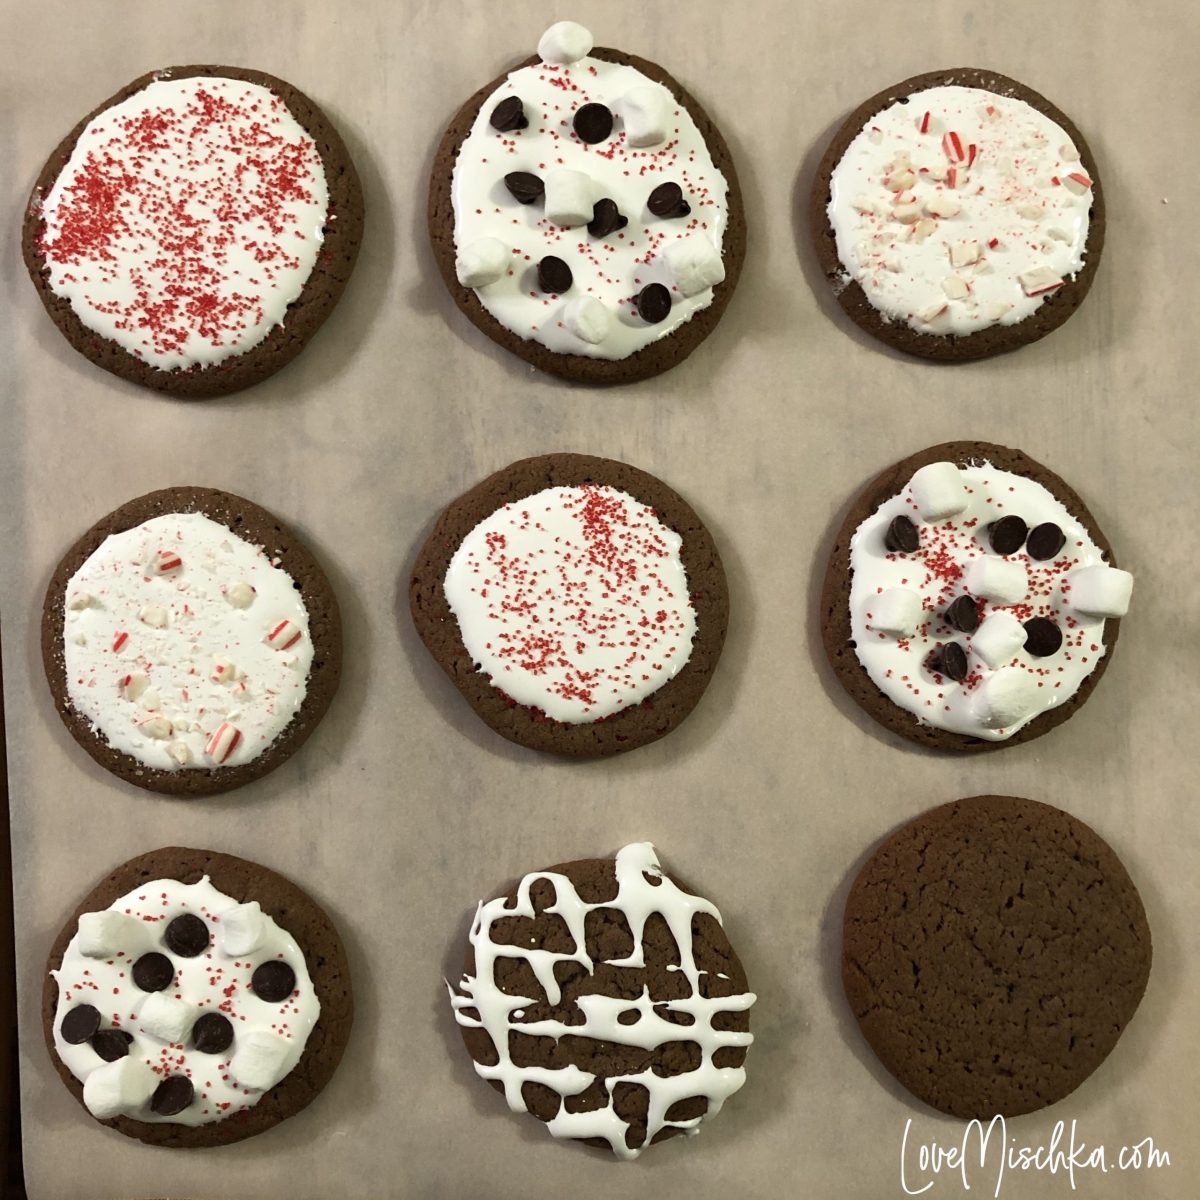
<point x="187" y="219"/>
<point x="213" y="981"/>
<point x="498" y="1012"/>
<point x="954" y="558"/>
<point x="573" y="601"/>
<point x="612" y="269"/>
<point x="970" y="223"/>
<point x="159" y="663"/>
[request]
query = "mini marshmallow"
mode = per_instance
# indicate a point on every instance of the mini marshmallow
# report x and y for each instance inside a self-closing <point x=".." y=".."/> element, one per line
<point x="165" y="1018"/>
<point x="646" y="111"/>
<point x="588" y="319"/>
<point x="565" y="42"/>
<point x="240" y="595"/>
<point x="695" y="264"/>
<point x="258" y="1059"/>
<point x="1005" y="698"/>
<point x="120" y="1087"/>
<point x="1100" y="591"/>
<point x="104" y="934"/>
<point x="569" y="197"/>
<point x="938" y="491"/>
<point x="241" y="929"/>
<point x="1000" y="580"/>
<point x="481" y="262"/>
<point x="897" y="611"/>
<point x="999" y="637"/>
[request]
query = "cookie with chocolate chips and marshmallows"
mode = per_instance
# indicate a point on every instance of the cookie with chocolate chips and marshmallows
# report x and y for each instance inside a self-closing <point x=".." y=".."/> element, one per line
<point x="196" y="999"/>
<point x="604" y="998"/>
<point x="236" y="162"/>
<point x="578" y="604"/>
<point x="957" y="215"/>
<point x="604" y="161"/>
<point x="993" y="952"/>
<point x="971" y="601"/>
<point x="191" y="642"/>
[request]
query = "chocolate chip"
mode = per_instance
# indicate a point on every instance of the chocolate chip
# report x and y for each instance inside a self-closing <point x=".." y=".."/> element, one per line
<point x="212" y="1033"/>
<point x="950" y="660"/>
<point x="524" y="187"/>
<point x="653" y="303"/>
<point x="508" y="115"/>
<point x="153" y="972"/>
<point x="111" y="1044"/>
<point x="1045" y="541"/>
<point x="554" y="275"/>
<point x="273" y="980"/>
<point x="1007" y="535"/>
<point x="593" y="123"/>
<point x="606" y="218"/>
<point x="172" y="1096"/>
<point x="187" y="935"/>
<point x="963" y="615"/>
<point x="79" y="1024"/>
<point x="667" y="201"/>
<point x="1042" y="637"/>
<point x="902" y="536"/>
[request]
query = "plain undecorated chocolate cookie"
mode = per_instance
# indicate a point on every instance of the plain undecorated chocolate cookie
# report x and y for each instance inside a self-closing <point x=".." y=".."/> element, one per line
<point x="342" y="234"/>
<point x="629" y="728"/>
<point x="994" y="949"/>
<point x="293" y="911"/>
<point x="256" y="526"/>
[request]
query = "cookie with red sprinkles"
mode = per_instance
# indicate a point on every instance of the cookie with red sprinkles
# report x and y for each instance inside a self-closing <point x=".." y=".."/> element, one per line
<point x="201" y="1010"/>
<point x="971" y="600"/>
<point x="193" y="232"/>
<point x="577" y="603"/>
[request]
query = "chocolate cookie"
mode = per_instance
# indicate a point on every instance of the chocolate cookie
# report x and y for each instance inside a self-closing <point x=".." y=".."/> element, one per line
<point x="124" y="642"/>
<point x="605" y="999"/>
<point x="904" y="208"/>
<point x="646" y="222"/>
<point x="938" y="565"/>
<point x="994" y="950"/>
<point x="541" y="633"/>
<point x="185" y="305"/>
<point x="212" y="1038"/>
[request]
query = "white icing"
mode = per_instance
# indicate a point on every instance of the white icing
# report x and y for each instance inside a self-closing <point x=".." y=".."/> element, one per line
<point x="187" y="696"/>
<point x="613" y="269"/>
<point x="953" y="551"/>
<point x="953" y="260"/>
<point x="213" y="981"/>
<point x="213" y="199"/>
<point x="498" y="1012"/>
<point x="574" y="601"/>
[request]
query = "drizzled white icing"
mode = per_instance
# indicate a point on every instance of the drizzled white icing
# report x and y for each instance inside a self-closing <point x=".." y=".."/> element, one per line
<point x="498" y="1012"/>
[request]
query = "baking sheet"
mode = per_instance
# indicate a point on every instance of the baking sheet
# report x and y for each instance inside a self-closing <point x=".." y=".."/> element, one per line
<point x="403" y="809"/>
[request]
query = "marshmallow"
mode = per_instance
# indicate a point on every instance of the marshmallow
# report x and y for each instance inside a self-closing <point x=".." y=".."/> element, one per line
<point x="588" y="319"/>
<point x="999" y="637"/>
<point x="257" y="1061"/>
<point x="1000" y="580"/>
<point x="120" y="1087"/>
<point x="241" y="929"/>
<point x="104" y="934"/>
<point x="240" y="595"/>
<point x="646" y="112"/>
<point x="897" y="611"/>
<point x="569" y="199"/>
<point x="938" y="491"/>
<point x="481" y="262"/>
<point x="564" y="42"/>
<point x="1005" y="698"/>
<point x="283" y="634"/>
<point x="695" y="264"/>
<point x="1100" y="591"/>
<point x="223" y="743"/>
<point x="165" y="1018"/>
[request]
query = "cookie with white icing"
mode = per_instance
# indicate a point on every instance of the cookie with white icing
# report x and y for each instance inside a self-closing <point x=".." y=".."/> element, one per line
<point x="196" y="999"/>
<point x="604" y="998"/>
<point x="577" y="603"/>
<point x="191" y="641"/>
<point x="971" y="602"/>
<point x="194" y="231"/>
<point x="585" y="213"/>
<point x="958" y="214"/>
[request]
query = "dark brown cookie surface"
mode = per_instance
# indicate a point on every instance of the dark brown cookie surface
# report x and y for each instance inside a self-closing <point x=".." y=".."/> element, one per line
<point x="994" y="949"/>
<point x="342" y="234"/>
<point x="324" y="957"/>
<point x="626" y="730"/>
<point x="985" y="342"/>
<point x="651" y="360"/>
<point x="258" y="527"/>
<point x="836" y="631"/>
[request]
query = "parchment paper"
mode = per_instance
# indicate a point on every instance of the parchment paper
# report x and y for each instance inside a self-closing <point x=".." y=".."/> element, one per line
<point x="403" y="809"/>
